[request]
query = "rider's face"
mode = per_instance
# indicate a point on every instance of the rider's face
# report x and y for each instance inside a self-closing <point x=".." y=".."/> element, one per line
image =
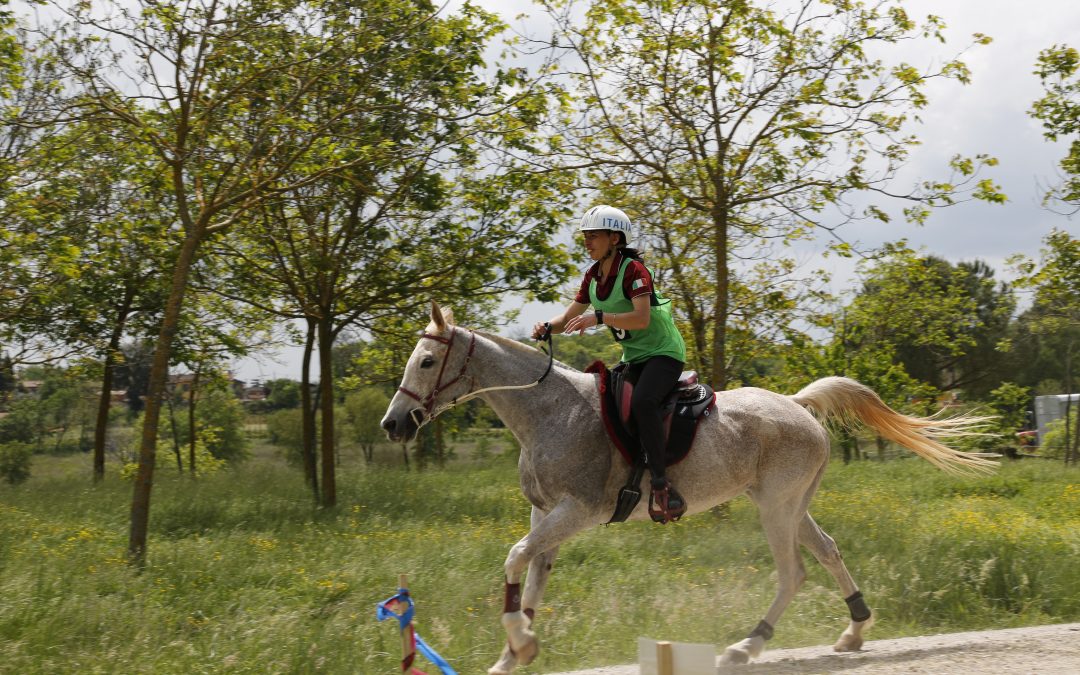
<point x="598" y="243"/>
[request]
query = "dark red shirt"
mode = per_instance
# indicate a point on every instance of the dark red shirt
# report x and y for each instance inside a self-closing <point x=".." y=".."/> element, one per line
<point x="634" y="271"/>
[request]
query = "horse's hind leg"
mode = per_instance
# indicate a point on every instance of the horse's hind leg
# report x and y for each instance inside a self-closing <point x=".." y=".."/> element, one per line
<point x="824" y="549"/>
<point x="536" y="551"/>
<point x="780" y="522"/>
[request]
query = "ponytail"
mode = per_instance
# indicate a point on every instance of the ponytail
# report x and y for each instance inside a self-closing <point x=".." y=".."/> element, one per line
<point x="625" y="250"/>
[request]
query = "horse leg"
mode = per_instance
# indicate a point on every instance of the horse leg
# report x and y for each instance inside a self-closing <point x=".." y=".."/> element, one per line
<point x="780" y="522"/>
<point x="539" y="572"/>
<point x="536" y="551"/>
<point x="824" y="549"/>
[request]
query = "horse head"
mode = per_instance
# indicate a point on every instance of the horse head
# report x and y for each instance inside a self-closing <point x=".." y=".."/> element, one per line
<point x="434" y="376"/>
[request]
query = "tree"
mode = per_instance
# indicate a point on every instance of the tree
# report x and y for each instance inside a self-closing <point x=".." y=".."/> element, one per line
<point x="1059" y="112"/>
<point x="113" y="216"/>
<point x="433" y="206"/>
<point x="284" y="394"/>
<point x="1055" y="281"/>
<point x="34" y="269"/>
<point x="739" y="129"/>
<point x="955" y="318"/>
<point x="941" y="323"/>
<point x="216" y="89"/>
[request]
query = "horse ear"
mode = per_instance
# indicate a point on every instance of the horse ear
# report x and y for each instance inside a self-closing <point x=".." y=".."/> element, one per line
<point x="437" y="320"/>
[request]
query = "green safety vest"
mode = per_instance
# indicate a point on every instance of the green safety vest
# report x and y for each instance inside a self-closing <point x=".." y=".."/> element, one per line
<point x="661" y="338"/>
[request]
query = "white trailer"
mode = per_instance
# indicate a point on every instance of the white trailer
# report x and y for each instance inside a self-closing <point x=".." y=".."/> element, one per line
<point x="1050" y="408"/>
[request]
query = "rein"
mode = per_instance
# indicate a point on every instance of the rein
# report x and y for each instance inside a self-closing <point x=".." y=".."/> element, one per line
<point x="428" y="402"/>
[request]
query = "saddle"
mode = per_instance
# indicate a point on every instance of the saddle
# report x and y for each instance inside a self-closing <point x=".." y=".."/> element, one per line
<point x="683" y="409"/>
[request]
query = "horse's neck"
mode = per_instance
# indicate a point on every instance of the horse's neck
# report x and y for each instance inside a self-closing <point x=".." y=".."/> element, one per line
<point x="529" y="413"/>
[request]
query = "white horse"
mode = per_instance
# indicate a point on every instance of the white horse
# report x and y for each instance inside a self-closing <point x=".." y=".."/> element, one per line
<point x="756" y="442"/>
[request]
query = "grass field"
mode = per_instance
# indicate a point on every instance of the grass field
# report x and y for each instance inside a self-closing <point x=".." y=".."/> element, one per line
<point x="244" y="576"/>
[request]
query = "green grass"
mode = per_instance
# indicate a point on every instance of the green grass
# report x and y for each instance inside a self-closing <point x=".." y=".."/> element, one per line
<point x="243" y="576"/>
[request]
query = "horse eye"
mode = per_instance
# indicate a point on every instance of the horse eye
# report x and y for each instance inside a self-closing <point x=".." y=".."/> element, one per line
<point x="427" y="362"/>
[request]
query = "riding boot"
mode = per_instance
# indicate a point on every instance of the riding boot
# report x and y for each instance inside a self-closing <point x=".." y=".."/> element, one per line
<point x="665" y="502"/>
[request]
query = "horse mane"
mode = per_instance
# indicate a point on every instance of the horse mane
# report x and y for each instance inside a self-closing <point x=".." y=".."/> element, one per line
<point x="525" y="349"/>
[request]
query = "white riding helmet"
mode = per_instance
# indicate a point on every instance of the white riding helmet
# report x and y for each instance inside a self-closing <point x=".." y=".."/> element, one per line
<point x="607" y="218"/>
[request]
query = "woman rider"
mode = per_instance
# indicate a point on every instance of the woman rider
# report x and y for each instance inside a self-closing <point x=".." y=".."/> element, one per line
<point x="620" y="289"/>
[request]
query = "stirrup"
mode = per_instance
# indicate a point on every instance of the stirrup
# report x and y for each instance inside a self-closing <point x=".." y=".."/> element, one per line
<point x="666" y="504"/>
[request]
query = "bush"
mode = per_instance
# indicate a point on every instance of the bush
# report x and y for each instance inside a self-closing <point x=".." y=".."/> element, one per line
<point x="221" y="424"/>
<point x="20" y="423"/>
<point x="1053" y="444"/>
<point x="285" y="429"/>
<point x="15" y="462"/>
<point x="364" y="410"/>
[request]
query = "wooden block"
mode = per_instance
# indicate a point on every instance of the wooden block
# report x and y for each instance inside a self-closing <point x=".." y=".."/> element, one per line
<point x="675" y="658"/>
<point x="665" y="659"/>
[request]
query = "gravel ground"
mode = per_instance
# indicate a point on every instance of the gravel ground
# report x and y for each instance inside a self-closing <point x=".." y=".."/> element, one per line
<point x="1040" y="650"/>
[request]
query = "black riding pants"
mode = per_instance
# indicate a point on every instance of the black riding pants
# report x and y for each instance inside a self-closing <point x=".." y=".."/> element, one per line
<point x="655" y="378"/>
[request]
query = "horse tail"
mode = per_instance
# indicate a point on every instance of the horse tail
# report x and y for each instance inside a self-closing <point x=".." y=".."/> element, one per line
<point x="846" y="401"/>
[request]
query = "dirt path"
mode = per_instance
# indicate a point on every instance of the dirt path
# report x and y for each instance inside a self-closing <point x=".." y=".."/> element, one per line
<point x="1042" y="650"/>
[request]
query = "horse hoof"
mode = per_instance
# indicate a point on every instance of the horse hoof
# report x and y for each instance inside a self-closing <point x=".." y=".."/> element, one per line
<point x="527" y="652"/>
<point x="848" y="643"/>
<point x="851" y="640"/>
<point x="735" y="657"/>
<point x="505" y="664"/>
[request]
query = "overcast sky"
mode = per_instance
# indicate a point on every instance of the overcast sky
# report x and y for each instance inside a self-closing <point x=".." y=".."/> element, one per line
<point x="988" y="116"/>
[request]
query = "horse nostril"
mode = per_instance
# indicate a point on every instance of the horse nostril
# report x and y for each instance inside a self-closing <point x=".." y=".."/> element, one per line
<point x="389" y="424"/>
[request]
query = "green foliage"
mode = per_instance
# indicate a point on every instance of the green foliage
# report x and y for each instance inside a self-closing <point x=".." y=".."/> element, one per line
<point x="729" y="130"/>
<point x="283" y="394"/>
<point x="364" y="410"/>
<point x="285" y="429"/>
<point x="15" y="460"/>
<point x="220" y="423"/>
<point x="1059" y="436"/>
<point x="580" y="351"/>
<point x="1056" y="282"/>
<point x="1059" y="112"/>
<point x="21" y="423"/>
<point x="173" y="445"/>
<point x="919" y="326"/>
<point x="1010" y="403"/>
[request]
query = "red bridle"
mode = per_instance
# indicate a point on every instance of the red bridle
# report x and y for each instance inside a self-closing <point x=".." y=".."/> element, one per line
<point x="429" y="401"/>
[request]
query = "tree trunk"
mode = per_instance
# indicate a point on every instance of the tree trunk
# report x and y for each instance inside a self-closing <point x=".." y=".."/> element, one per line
<point x="175" y="432"/>
<point x="698" y="323"/>
<point x="307" y="415"/>
<point x="719" y="374"/>
<point x="191" y="418"/>
<point x="881" y="445"/>
<point x="159" y="374"/>
<point x="1070" y="446"/>
<point x="326" y="397"/>
<point x="101" y="426"/>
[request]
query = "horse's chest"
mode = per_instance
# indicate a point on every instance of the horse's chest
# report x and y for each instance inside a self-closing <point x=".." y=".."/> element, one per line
<point x="549" y="476"/>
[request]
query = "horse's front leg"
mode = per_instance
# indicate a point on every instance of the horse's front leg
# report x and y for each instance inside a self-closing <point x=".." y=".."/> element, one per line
<point x="536" y="551"/>
<point x="539" y="572"/>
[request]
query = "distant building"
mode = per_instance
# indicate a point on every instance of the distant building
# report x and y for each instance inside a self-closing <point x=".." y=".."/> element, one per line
<point x="29" y="387"/>
<point x="182" y="383"/>
<point x="255" y="392"/>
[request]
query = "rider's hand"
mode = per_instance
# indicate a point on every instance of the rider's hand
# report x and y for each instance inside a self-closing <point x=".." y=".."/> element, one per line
<point x="539" y="330"/>
<point x="580" y="323"/>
